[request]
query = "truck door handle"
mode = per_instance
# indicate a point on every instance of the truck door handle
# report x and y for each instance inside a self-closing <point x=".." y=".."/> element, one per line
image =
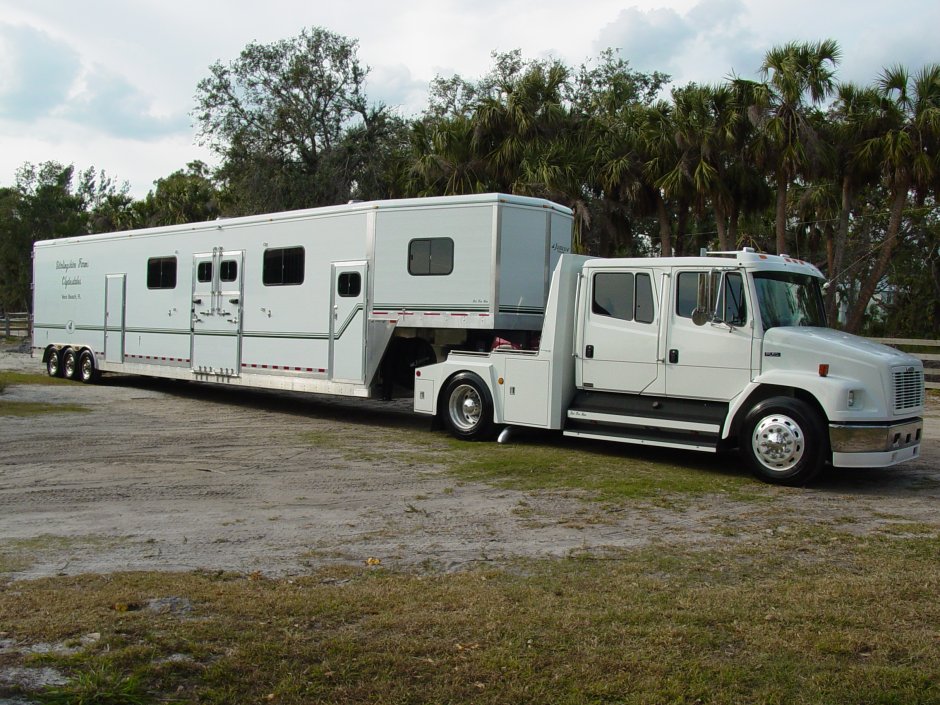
<point x="673" y="356"/>
<point x="589" y="351"/>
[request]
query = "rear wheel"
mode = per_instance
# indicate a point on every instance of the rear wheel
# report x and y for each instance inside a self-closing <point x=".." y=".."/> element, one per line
<point x="54" y="363"/>
<point x="87" y="372"/>
<point x="70" y="363"/>
<point x="784" y="441"/>
<point x="469" y="408"/>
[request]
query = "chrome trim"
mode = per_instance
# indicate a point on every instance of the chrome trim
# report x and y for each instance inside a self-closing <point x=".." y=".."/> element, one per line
<point x="873" y="439"/>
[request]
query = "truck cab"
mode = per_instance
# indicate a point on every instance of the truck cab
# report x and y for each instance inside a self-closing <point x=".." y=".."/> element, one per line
<point x="726" y="350"/>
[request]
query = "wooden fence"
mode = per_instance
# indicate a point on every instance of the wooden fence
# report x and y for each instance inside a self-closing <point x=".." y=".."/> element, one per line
<point x="913" y="346"/>
<point x="15" y="325"/>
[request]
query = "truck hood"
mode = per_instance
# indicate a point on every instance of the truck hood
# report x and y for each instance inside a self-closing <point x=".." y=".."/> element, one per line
<point x="834" y="345"/>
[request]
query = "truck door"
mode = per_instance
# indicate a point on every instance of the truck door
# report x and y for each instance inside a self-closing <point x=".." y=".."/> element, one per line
<point x="619" y="334"/>
<point x="217" y="312"/>
<point x="348" y="322"/>
<point x="708" y="352"/>
<point x="114" y="287"/>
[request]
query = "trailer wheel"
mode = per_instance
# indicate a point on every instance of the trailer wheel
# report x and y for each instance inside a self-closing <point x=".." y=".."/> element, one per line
<point x="69" y="363"/>
<point x="468" y="412"/>
<point x="783" y="441"/>
<point x="87" y="372"/>
<point x="53" y="363"/>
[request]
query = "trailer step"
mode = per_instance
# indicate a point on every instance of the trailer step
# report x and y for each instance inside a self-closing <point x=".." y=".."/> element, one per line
<point x="703" y="445"/>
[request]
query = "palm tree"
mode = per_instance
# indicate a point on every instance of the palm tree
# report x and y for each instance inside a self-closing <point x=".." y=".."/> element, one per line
<point x="907" y="154"/>
<point x="792" y="74"/>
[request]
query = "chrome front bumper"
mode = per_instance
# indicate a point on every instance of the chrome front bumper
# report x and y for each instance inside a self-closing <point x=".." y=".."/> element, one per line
<point x="875" y="446"/>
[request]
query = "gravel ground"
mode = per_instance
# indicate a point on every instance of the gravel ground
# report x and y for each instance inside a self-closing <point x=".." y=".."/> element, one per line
<point x="163" y="475"/>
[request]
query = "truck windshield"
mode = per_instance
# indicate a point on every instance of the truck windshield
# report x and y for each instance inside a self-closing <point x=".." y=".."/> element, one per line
<point x="788" y="299"/>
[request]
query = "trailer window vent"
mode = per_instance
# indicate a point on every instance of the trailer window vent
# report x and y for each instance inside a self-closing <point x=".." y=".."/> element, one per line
<point x="349" y="284"/>
<point x="908" y="385"/>
<point x="204" y="272"/>
<point x="228" y="270"/>
<point x="161" y="273"/>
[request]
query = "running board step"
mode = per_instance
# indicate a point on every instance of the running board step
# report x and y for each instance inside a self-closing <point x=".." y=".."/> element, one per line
<point x="704" y="444"/>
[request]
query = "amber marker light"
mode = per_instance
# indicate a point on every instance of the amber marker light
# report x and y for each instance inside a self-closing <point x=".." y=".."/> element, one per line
<point x="823" y="370"/>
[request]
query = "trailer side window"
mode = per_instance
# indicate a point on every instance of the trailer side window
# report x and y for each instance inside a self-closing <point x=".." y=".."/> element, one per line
<point x="349" y="284"/>
<point x="161" y="273"/>
<point x="431" y="256"/>
<point x="204" y="272"/>
<point x="228" y="270"/>
<point x="283" y="266"/>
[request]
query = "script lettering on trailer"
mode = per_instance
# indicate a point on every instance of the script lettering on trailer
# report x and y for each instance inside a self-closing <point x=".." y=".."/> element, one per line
<point x="69" y="279"/>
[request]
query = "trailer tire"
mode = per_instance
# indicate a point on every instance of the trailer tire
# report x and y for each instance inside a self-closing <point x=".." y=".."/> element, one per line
<point x="70" y="363"/>
<point x="53" y="363"/>
<point x="784" y="441"/>
<point x="87" y="372"/>
<point x="468" y="408"/>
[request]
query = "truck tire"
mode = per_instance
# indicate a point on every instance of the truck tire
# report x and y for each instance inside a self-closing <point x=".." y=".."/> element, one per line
<point x="70" y="363"/>
<point x="53" y="363"/>
<point x="87" y="372"/>
<point x="468" y="408"/>
<point x="783" y="441"/>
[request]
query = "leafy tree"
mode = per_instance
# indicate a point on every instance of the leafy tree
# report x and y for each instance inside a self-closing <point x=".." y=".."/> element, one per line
<point x="185" y="196"/>
<point x="291" y="121"/>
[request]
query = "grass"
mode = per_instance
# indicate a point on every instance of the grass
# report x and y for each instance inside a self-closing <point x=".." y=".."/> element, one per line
<point x="9" y="378"/>
<point x="811" y="616"/>
<point x="36" y="408"/>
<point x="536" y="461"/>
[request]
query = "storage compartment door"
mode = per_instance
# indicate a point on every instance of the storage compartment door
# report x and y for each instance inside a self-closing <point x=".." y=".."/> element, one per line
<point x="114" y="286"/>
<point x="527" y="383"/>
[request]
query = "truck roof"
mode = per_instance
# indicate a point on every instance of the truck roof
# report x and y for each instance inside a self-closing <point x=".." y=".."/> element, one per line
<point x="745" y="259"/>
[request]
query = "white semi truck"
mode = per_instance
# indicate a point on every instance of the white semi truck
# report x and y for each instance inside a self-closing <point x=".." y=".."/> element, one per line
<point x="705" y="353"/>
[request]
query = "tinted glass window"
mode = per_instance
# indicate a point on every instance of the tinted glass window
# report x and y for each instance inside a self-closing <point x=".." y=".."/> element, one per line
<point x="228" y="270"/>
<point x="431" y="256"/>
<point x="613" y="295"/>
<point x="644" y="298"/>
<point x="687" y="292"/>
<point x="161" y="273"/>
<point x="204" y="272"/>
<point x="283" y="266"/>
<point x="349" y="284"/>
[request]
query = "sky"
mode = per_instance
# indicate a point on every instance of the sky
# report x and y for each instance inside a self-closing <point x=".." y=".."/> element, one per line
<point x="110" y="83"/>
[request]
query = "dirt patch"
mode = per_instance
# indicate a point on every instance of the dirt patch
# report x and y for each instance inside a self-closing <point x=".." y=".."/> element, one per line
<point x="162" y="475"/>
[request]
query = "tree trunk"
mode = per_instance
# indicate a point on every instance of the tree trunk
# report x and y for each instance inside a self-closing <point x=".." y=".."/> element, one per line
<point x="665" y="227"/>
<point x="781" y="222"/>
<point x="867" y="290"/>
<point x="837" y="255"/>
<point x="721" y="225"/>
<point x="733" y="217"/>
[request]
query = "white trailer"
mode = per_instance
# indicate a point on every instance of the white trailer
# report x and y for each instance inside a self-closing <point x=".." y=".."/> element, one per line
<point x="703" y="353"/>
<point x="339" y="300"/>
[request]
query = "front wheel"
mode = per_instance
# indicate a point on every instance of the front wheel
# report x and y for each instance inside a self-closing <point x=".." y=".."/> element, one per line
<point x="784" y="441"/>
<point x="469" y="408"/>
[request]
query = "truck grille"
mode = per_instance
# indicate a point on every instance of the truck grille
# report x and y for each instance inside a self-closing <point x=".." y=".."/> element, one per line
<point x="908" y="388"/>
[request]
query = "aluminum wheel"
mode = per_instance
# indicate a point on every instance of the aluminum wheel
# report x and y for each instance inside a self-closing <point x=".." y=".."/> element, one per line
<point x="465" y="407"/>
<point x="69" y="364"/>
<point x="778" y="442"/>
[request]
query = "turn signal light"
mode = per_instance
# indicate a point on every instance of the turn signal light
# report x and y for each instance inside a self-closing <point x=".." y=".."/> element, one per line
<point x="824" y="370"/>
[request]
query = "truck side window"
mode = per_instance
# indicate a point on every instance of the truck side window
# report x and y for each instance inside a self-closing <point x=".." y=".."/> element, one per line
<point x="734" y="307"/>
<point x="431" y="256"/>
<point x="687" y="293"/>
<point x="349" y="284"/>
<point x="161" y="273"/>
<point x="613" y="295"/>
<point x="283" y="266"/>
<point x="644" y="298"/>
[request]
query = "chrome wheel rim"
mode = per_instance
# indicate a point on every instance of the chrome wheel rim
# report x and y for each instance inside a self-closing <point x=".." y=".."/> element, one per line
<point x="778" y="443"/>
<point x="53" y="365"/>
<point x="87" y="368"/>
<point x="70" y="365"/>
<point x="465" y="407"/>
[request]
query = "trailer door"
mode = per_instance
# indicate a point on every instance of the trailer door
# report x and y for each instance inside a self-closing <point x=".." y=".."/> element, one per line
<point x="348" y="322"/>
<point x="114" y="287"/>
<point x="217" y="312"/>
